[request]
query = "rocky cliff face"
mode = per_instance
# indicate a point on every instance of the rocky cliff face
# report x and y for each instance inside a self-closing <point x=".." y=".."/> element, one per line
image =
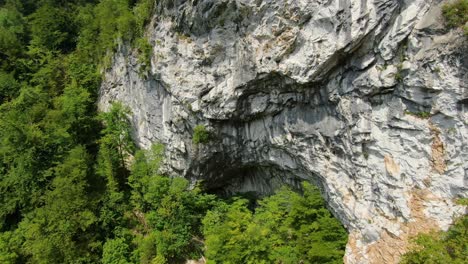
<point x="366" y="98"/>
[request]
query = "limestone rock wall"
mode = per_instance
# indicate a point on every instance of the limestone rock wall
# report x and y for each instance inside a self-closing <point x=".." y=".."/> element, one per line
<point x="368" y="99"/>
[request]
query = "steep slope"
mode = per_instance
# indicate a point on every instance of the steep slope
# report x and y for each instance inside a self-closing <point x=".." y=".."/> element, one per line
<point x="366" y="98"/>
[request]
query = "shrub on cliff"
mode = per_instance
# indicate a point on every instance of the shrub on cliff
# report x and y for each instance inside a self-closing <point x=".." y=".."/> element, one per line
<point x="441" y="247"/>
<point x="456" y="14"/>
<point x="200" y="135"/>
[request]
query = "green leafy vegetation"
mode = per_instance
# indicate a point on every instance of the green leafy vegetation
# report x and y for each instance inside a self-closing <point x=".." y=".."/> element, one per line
<point x="441" y="247"/>
<point x="162" y="218"/>
<point x="462" y="201"/>
<point x="109" y="23"/>
<point x="74" y="188"/>
<point x="422" y="114"/>
<point x="144" y="56"/>
<point x="456" y="14"/>
<point x="12" y="31"/>
<point x="285" y="228"/>
<point x="200" y="135"/>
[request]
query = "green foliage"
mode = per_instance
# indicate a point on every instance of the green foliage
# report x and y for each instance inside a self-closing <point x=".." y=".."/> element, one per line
<point x="117" y="132"/>
<point x="228" y="233"/>
<point x="171" y="213"/>
<point x="146" y="165"/>
<point x="441" y="247"/>
<point x="462" y="201"/>
<point x="200" y="135"/>
<point x="52" y="28"/>
<point x="9" y="248"/>
<point x="115" y="148"/>
<point x="12" y="31"/>
<point x="116" y="251"/>
<point x="111" y="22"/>
<point x="422" y="114"/>
<point x="143" y="11"/>
<point x="56" y="232"/>
<point x="9" y="87"/>
<point x="144" y="55"/>
<point x="456" y="14"/>
<point x="285" y="228"/>
<point x="57" y="205"/>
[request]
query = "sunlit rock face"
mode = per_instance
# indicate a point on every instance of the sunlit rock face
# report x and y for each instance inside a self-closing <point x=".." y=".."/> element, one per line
<point x="368" y="99"/>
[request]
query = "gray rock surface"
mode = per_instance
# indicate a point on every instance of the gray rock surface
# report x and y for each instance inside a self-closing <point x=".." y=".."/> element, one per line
<point x="333" y="92"/>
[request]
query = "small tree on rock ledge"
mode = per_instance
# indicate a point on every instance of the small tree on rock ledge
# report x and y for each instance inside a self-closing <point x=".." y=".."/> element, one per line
<point x="200" y="135"/>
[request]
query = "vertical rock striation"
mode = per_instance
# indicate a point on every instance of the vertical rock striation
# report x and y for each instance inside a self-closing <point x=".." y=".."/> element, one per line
<point x="366" y="98"/>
